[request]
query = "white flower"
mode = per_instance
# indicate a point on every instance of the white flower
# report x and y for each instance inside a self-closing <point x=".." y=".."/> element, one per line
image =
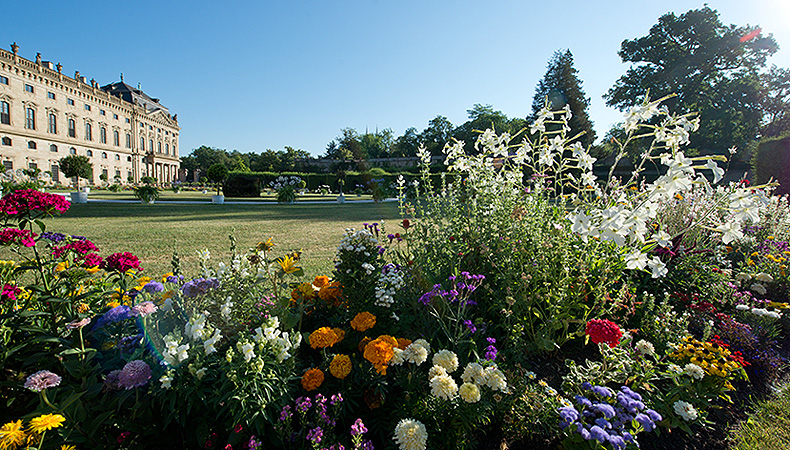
<point x="694" y="371"/>
<point x="398" y="357"/>
<point x="674" y="368"/>
<point x="416" y="353"/>
<point x="208" y="345"/>
<point x="645" y="348"/>
<point x="443" y="386"/>
<point x="410" y="434"/>
<point x="424" y="344"/>
<point x="658" y="267"/>
<point x="469" y="393"/>
<point x="758" y="288"/>
<point x="166" y="379"/>
<point x="742" y="307"/>
<point x="764" y="277"/>
<point x="495" y="379"/>
<point x="247" y="351"/>
<point x="446" y="359"/>
<point x="685" y="410"/>
<point x="635" y="260"/>
<point x="226" y="308"/>
<point x="181" y="352"/>
<point x="435" y="371"/>
<point x="663" y="239"/>
<point x="741" y="277"/>
<point x="718" y="172"/>
<point x="200" y="373"/>
<point x="474" y="372"/>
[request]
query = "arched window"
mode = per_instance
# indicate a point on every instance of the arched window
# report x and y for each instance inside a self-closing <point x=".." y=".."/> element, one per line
<point x="89" y="153"/>
<point x="167" y="149"/>
<point x="5" y="113"/>
<point x="128" y="140"/>
<point x="103" y="155"/>
<point x="31" y="145"/>
<point x="117" y="157"/>
<point x="72" y="128"/>
<point x="53" y="148"/>
<point x="142" y="144"/>
<point x="88" y="132"/>
<point x="30" y="118"/>
<point x="159" y="147"/>
<point x="151" y="145"/>
<point x="103" y="135"/>
<point x="116" y="138"/>
<point x="6" y="141"/>
<point x="73" y="151"/>
<point x="53" y="123"/>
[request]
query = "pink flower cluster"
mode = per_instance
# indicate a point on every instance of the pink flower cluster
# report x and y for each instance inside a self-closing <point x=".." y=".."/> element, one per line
<point x="41" y="380"/>
<point x="92" y="260"/>
<point x="9" y="236"/>
<point x="134" y="374"/>
<point x="10" y="292"/>
<point x="81" y="246"/>
<point x="604" y="331"/>
<point x="121" y="262"/>
<point x="27" y="201"/>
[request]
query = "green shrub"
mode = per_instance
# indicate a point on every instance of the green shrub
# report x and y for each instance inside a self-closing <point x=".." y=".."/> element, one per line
<point x="237" y="185"/>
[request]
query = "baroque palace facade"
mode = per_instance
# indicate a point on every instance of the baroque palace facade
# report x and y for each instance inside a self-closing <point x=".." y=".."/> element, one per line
<point x="46" y="115"/>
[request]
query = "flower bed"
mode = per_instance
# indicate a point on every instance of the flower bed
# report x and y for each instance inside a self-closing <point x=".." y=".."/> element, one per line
<point x="654" y="303"/>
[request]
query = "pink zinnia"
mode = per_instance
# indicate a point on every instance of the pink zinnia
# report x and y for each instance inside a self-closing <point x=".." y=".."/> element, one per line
<point x="43" y="379"/>
<point x="134" y="374"/>
<point x="604" y="331"/>
<point x="145" y="308"/>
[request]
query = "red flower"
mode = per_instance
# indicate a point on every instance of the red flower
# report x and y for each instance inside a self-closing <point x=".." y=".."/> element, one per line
<point x="10" y="236"/>
<point x="121" y="262"/>
<point x="81" y="246"/>
<point x="406" y="224"/>
<point x="604" y="331"/>
<point x="27" y="201"/>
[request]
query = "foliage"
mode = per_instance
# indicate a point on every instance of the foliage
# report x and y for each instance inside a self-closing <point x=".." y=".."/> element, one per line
<point x="217" y="173"/>
<point x="146" y="193"/>
<point x="78" y="166"/>
<point x="771" y="156"/>
<point x="766" y="428"/>
<point x="239" y="185"/>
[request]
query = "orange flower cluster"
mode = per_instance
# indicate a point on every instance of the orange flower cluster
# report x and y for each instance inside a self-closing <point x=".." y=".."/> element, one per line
<point x="379" y="352"/>
<point x="323" y="337"/>
<point x="403" y="343"/>
<point x="331" y="293"/>
<point x="312" y="379"/>
<point x="340" y="366"/>
<point x="363" y="321"/>
<point x="321" y="281"/>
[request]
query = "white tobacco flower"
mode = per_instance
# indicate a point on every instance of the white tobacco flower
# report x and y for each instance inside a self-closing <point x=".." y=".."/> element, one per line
<point x="732" y="231"/>
<point x="636" y="260"/>
<point x="685" y="410"/>
<point x="758" y="288"/>
<point x="658" y="267"/>
<point x="663" y="239"/>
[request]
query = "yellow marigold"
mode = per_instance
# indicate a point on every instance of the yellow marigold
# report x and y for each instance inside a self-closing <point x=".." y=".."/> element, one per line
<point x="46" y="422"/>
<point x="164" y="277"/>
<point x="403" y="343"/>
<point x="340" y="335"/>
<point x="83" y="308"/>
<point x="61" y="266"/>
<point x="312" y="379"/>
<point x="67" y="447"/>
<point x="265" y="246"/>
<point x="323" y="337"/>
<point x="331" y="292"/>
<point x="379" y="352"/>
<point x="363" y="321"/>
<point x="288" y="264"/>
<point x="142" y="281"/>
<point x="321" y="281"/>
<point x="113" y="304"/>
<point x="12" y="435"/>
<point x="92" y="270"/>
<point x="340" y="366"/>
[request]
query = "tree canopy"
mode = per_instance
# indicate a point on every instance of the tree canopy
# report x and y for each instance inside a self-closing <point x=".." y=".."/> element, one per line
<point x="714" y="69"/>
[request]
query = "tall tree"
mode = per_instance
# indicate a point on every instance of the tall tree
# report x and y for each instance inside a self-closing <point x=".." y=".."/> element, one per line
<point x="481" y="118"/>
<point x="561" y="86"/>
<point x="407" y="144"/>
<point x="713" y="68"/>
<point x="438" y="133"/>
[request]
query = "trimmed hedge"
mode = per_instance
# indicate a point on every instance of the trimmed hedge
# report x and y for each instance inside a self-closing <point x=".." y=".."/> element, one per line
<point x="772" y="160"/>
<point x="242" y="185"/>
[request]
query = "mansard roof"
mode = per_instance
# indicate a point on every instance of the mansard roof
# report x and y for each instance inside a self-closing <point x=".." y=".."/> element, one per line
<point x="136" y="96"/>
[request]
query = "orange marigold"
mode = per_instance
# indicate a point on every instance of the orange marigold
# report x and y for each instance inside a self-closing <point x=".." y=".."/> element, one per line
<point x="340" y="335"/>
<point x="321" y="281"/>
<point x="363" y="321"/>
<point x="323" y="337"/>
<point x="379" y="352"/>
<point x="331" y="292"/>
<point x="403" y="343"/>
<point x="340" y="366"/>
<point x="312" y="379"/>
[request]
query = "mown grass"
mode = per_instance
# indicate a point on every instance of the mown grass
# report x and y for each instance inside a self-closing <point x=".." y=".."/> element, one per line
<point x="166" y="195"/>
<point x="768" y="426"/>
<point x="153" y="232"/>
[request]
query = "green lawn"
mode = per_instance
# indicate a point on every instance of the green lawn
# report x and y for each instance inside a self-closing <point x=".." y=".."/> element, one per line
<point x="152" y="232"/>
<point x="167" y="195"/>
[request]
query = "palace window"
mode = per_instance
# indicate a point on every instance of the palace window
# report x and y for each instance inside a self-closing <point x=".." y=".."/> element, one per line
<point x="30" y="118"/>
<point x="128" y="140"/>
<point x="28" y="88"/>
<point x="151" y="145"/>
<point x="31" y="145"/>
<point x="70" y="102"/>
<point x="101" y="112"/>
<point x="3" y="80"/>
<point x="72" y="128"/>
<point x="53" y="123"/>
<point x="142" y="144"/>
<point x="167" y="149"/>
<point x="88" y="132"/>
<point x="103" y="155"/>
<point x="89" y="153"/>
<point x="159" y="147"/>
<point x="51" y="95"/>
<point x="103" y="135"/>
<point x="53" y="148"/>
<point x="5" y="113"/>
<point x="115" y="116"/>
<point x="73" y="151"/>
<point x="9" y="165"/>
<point x="32" y="165"/>
<point x="87" y="107"/>
<point x="116" y="138"/>
<point x="6" y="141"/>
<point x="117" y="157"/>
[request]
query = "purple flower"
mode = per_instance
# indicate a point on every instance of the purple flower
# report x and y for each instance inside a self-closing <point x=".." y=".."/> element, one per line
<point x="618" y="443"/>
<point x="199" y="286"/>
<point x="367" y="445"/>
<point x="303" y="404"/>
<point x="645" y="421"/>
<point x="603" y="391"/>
<point x="43" y="379"/>
<point x="599" y="434"/>
<point x="471" y="326"/>
<point x="583" y="401"/>
<point x="117" y="314"/>
<point x="53" y="237"/>
<point x="315" y="435"/>
<point x="654" y="415"/>
<point x="569" y="414"/>
<point x="286" y="413"/>
<point x="174" y="279"/>
<point x="335" y="399"/>
<point x="603" y="423"/>
<point x="111" y="381"/>
<point x="153" y="286"/>
<point x="604" y="409"/>
<point x="134" y="374"/>
<point x="358" y="428"/>
<point x="490" y="353"/>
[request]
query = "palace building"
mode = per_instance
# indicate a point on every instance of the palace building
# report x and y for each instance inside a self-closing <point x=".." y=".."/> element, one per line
<point x="46" y="115"/>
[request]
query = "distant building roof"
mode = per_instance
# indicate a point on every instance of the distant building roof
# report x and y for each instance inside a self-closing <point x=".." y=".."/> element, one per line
<point x="137" y="96"/>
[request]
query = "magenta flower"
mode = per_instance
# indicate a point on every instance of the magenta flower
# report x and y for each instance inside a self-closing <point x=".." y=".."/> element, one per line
<point x="121" y="262"/>
<point x="29" y="201"/>
<point x="43" y="379"/>
<point x="80" y="246"/>
<point x="10" y="236"/>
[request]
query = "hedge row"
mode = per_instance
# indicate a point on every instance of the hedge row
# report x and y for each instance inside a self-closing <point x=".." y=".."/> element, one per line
<point x="772" y="160"/>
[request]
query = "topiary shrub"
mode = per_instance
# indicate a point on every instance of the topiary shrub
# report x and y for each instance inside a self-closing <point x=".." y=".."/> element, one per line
<point x="242" y="186"/>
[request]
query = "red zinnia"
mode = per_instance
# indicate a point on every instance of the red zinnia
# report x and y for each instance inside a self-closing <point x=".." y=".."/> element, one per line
<point x="604" y="331"/>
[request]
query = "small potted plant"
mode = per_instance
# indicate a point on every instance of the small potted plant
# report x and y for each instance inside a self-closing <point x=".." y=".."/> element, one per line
<point x="217" y="173"/>
<point x="146" y="193"/>
<point x="77" y="166"/>
<point x="341" y="198"/>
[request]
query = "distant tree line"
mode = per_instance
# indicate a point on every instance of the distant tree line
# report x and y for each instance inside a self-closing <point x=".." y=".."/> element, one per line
<point x="718" y="71"/>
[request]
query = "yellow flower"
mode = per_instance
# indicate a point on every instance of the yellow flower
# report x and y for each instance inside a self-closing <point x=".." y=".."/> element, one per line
<point x="61" y="266"/>
<point x="288" y="264"/>
<point x="113" y="304"/>
<point x="340" y="334"/>
<point x="363" y="321"/>
<point x="340" y="366"/>
<point x="323" y="337"/>
<point x="83" y="308"/>
<point x="304" y="291"/>
<point x="12" y="435"/>
<point x="67" y="447"/>
<point x="167" y="294"/>
<point x="164" y="277"/>
<point x="312" y="379"/>
<point x="265" y="246"/>
<point x="92" y="270"/>
<point x="46" y="422"/>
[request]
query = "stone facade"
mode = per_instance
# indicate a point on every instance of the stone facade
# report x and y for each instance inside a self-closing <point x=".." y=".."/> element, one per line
<point x="46" y="115"/>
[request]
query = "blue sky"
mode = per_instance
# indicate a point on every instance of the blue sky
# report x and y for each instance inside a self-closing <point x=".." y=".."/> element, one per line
<point x="259" y="75"/>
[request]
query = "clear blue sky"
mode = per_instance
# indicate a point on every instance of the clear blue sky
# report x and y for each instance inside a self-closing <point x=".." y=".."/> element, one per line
<point x="259" y="75"/>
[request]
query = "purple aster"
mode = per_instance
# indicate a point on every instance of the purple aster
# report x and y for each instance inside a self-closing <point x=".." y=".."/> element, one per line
<point x="53" y="237"/>
<point x="153" y="287"/>
<point x="286" y="413"/>
<point x="134" y="374"/>
<point x="43" y="379"/>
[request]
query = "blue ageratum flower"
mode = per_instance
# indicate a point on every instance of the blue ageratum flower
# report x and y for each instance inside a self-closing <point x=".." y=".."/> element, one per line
<point x="115" y="315"/>
<point x="153" y="286"/>
<point x="199" y="286"/>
